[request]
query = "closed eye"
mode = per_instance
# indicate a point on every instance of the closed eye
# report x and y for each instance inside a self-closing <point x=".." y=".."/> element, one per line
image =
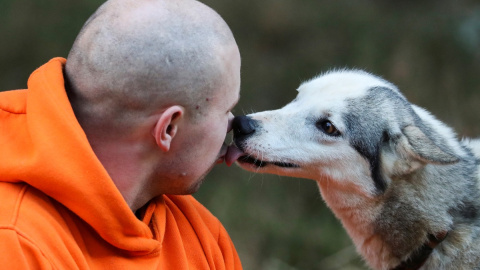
<point x="326" y="126"/>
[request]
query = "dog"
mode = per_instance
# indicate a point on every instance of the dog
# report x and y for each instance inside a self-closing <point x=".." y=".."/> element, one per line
<point x="404" y="187"/>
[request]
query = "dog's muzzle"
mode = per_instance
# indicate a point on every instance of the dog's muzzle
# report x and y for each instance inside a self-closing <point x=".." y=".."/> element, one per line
<point x="244" y="127"/>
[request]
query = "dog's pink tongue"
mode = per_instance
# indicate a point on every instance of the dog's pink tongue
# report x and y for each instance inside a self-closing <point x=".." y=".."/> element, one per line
<point x="233" y="153"/>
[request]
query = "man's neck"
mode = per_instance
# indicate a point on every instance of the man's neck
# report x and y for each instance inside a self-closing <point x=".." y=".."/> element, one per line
<point x="125" y="165"/>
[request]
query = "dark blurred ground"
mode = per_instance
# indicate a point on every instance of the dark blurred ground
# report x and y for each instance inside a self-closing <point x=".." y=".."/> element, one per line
<point x="430" y="49"/>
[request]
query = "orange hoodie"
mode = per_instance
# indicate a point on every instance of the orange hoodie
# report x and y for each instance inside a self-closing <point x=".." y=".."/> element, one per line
<point x="59" y="209"/>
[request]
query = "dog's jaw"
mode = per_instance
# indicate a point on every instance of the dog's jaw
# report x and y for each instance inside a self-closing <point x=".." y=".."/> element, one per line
<point x="259" y="163"/>
<point x="251" y="163"/>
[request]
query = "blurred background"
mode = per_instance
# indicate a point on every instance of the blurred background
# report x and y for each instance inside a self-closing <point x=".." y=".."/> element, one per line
<point x="429" y="49"/>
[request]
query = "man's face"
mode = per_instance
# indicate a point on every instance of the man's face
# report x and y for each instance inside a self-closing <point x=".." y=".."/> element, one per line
<point x="198" y="145"/>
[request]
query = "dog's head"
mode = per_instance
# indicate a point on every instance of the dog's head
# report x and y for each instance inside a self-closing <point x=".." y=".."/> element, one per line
<point x="347" y="126"/>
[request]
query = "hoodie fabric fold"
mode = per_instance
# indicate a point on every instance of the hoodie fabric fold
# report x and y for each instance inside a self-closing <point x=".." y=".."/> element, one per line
<point x="59" y="209"/>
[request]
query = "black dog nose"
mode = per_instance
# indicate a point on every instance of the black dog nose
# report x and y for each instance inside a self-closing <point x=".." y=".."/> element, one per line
<point x="243" y="126"/>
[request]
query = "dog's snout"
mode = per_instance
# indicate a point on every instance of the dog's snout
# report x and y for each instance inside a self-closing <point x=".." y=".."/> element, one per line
<point x="243" y="126"/>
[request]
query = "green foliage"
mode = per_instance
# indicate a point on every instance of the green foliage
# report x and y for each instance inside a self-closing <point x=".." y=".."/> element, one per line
<point x="430" y="49"/>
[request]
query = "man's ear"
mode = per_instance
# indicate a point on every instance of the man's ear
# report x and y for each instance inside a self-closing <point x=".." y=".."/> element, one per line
<point x="166" y="126"/>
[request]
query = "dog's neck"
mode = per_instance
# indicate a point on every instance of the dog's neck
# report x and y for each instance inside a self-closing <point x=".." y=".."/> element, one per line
<point x="358" y="211"/>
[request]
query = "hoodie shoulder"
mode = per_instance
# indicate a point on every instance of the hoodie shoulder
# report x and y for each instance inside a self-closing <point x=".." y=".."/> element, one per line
<point x="11" y="195"/>
<point x="23" y="207"/>
<point x="34" y="229"/>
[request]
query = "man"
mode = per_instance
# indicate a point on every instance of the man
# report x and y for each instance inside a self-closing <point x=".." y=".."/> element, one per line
<point x="99" y="154"/>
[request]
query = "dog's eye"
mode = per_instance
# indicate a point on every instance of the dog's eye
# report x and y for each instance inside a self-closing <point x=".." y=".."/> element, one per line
<point x="327" y="127"/>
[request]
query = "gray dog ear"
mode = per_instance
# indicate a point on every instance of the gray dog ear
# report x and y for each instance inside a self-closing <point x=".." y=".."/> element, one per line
<point x="417" y="145"/>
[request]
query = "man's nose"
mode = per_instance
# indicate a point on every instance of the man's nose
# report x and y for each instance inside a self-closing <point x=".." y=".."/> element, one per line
<point x="243" y="126"/>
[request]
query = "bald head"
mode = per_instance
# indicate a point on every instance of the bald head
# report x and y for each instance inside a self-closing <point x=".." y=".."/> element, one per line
<point x="133" y="57"/>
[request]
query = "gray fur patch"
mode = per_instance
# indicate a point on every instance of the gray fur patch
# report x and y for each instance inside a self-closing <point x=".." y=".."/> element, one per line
<point x="368" y="127"/>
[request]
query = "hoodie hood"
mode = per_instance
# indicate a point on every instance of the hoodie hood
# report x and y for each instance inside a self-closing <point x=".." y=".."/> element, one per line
<point x="43" y="145"/>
